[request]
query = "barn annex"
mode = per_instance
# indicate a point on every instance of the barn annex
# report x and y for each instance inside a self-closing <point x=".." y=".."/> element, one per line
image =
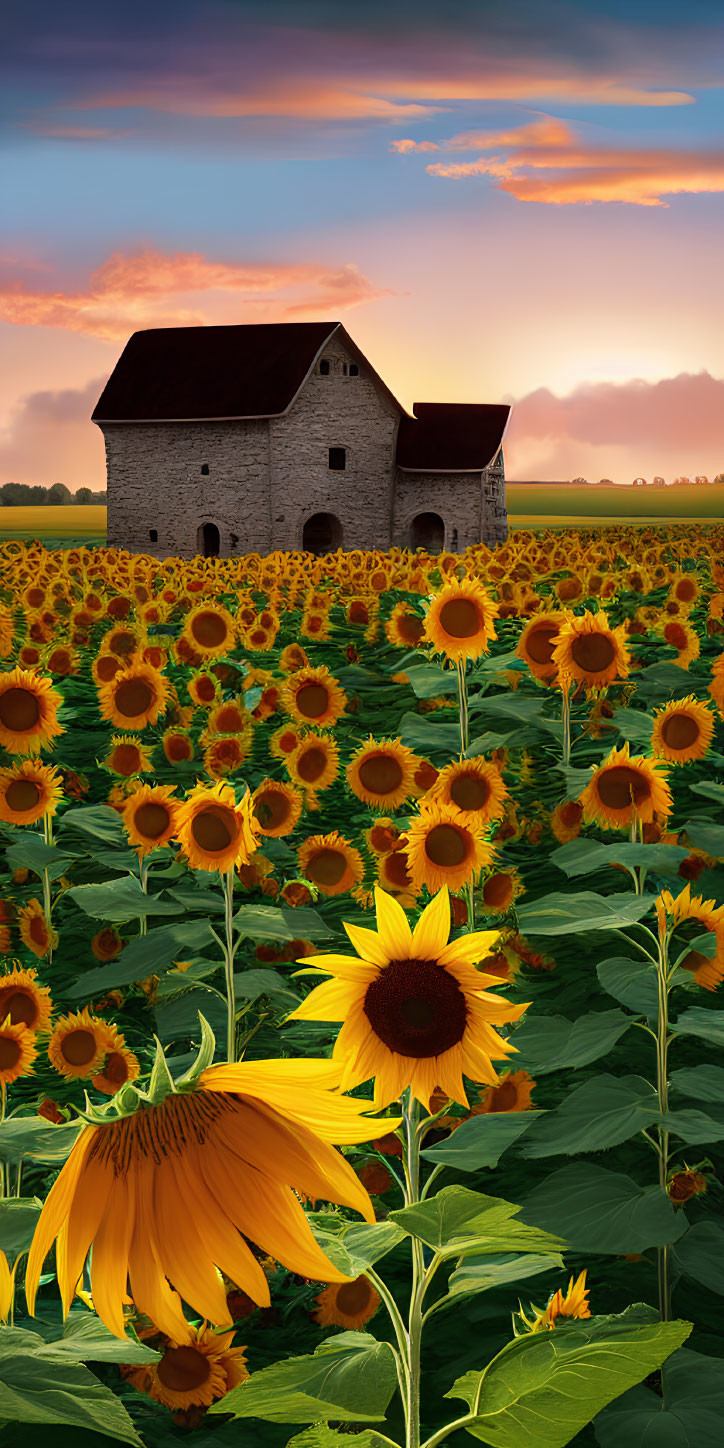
<point x="240" y="439"/>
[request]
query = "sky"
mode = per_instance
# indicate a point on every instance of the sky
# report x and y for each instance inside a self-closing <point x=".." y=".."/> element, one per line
<point x="513" y="202"/>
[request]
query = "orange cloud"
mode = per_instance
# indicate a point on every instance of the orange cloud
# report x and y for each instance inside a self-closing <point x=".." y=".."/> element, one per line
<point x="149" y="289"/>
<point x="306" y="99"/>
<point x="402" y="147"/>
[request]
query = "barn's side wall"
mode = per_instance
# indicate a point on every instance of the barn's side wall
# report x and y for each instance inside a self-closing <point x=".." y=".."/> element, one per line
<point x="155" y="482"/>
<point x="471" y="505"/>
<point x="335" y="411"/>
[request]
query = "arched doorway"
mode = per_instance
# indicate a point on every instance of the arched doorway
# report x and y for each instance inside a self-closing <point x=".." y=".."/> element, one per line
<point x="322" y="533"/>
<point x="427" y="530"/>
<point x="208" y="540"/>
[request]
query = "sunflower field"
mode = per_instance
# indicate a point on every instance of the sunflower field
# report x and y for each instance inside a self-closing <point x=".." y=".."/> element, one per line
<point x="362" y="931"/>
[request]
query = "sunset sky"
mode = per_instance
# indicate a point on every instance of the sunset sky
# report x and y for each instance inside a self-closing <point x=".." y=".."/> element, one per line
<point x="519" y="202"/>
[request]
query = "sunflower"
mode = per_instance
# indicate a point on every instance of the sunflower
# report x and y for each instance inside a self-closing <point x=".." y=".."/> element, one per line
<point x="283" y="742"/>
<point x="120" y="1066"/>
<point x="331" y="863"/>
<point x="574" y="1303"/>
<point x="149" y="816"/>
<point x="566" y="819"/>
<point x="313" y="696"/>
<point x="79" y="1043"/>
<point x="127" y="756"/>
<point x="682" y="637"/>
<point x="277" y="807"/>
<point x="177" y="746"/>
<point x="460" y="619"/>
<point x="292" y="659"/>
<point x="35" y="931"/>
<point x="707" y="972"/>
<point x="589" y="651"/>
<point x="424" y="777"/>
<point x="134" y="697"/>
<point x="537" y="643"/>
<point x="347" y="1304"/>
<point x="229" y="717"/>
<point x="28" y="712"/>
<point x="404" y="627"/>
<point x="17" y="1052"/>
<point x="383" y="836"/>
<point x="515" y="1093"/>
<point x="314" y="764"/>
<point x="443" y="848"/>
<point x="192" y="1374"/>
<point x="684" y="589"/>
<point x="225" y="754"/>
<point x="29" y="791"/>
<point x="683" y="730"/>
<point x="210" y="630"/>
<point x="500" y="890"/>
<point x="105" y="667"/>
<point x="124" y="641"/>
<point x="167" y="1192"/>
<point x="106" y="944"/>
<point x="474" y="787"/>
<point x="625" y="787"/>
<point x="214" y="832"/>
<point x="393" y="873"/>
<point x="26" y="1001"/>
<point x="382" y="774"/>
<point x="415" y="1009"/>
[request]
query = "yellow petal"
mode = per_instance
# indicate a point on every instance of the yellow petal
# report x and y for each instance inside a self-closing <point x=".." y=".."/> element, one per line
<point x="327" y="1002"/>
<point x="430" y="935"/>
<point x="367" y="943"/>
<point x="393" y="926"/>
<point x="469" y="949"/>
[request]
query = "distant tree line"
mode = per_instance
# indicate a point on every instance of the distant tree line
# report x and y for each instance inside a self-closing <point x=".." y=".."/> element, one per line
<point x="701" y="480"/>
<point x="19" y="495"/>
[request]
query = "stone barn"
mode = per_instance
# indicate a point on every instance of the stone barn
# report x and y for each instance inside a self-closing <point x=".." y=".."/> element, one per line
<point x="241" y="439"/>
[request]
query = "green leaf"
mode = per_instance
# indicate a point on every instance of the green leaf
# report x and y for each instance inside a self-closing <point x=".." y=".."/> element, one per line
<point x="632" y="982"/>
<point x="548" y="1043"/>
<point x="697" y="1021"/>
<point x="250" y="984"/>
<point x="705" y="1082"/>
<point x="32" y="853"/>
<point x="659" y="680"/>
<point x="177" y="1018"/>
<point x="457" y="1216"/>
<point x="119" y="900"/>
<point x="84" y="1338"/>
<point x="600" y="1211"/>
<point x="703" y="836"/>
<point x="322" y="1436"/>
<point x="265" y="923"/>
<point x="688" y="1415"/>
<point x="99" y="821"/>
<point x="694" y="1127"/>
<point x="352" y="1247"/>
<point x="561" y="914"/>
<point x="481" y="1141"/>
<point x="634" y="724"/>
<point x="37" y="1139"/>
<point x="18" y="1217"/>
<point x="34" y="1389"/>
<point x="424" y="734"/>
<point x="479" y="1273"/>
<point x="583" y="857"/>
<point x="709" y="789"/>
<point x="700" y="1254"/>
<point x="429" y="680"/>
<point x="543" y="1388"/>
<point x="602" y="1112"/>
<point x="350" y="1377"/>
<point x="145" y="955"/>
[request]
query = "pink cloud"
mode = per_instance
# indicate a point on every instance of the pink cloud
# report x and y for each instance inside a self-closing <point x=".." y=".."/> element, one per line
<point x="50" y="439"/>
<point x="402" y="147"/>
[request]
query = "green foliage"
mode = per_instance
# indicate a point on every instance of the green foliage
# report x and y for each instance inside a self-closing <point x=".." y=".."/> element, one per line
<point x="688" y="1414"/>
<point x="597" y="1210"/>
<point x="561" y="914"/>
<point x="603" y="1112"/>
<point x="548" y="1043"/>
<point x="457" y="1219"/>
<point x="350" y="1376"/>
<point x="481" y="1141"/>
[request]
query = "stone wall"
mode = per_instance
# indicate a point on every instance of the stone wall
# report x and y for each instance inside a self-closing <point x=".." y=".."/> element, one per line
<point x="471" y="505"/>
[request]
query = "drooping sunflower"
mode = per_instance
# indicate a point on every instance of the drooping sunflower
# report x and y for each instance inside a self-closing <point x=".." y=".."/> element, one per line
<point x="214" y="832"/>
<point x="149" y="816"/>
<point x="331" y="863"/>
<point x="314" y="764"/>
<point x="349" y="1304"/>
<point x="25" y="1001"/>
<point x="277" y="807"/>
<point x="383" y="835"/>
<point x="424" y="777"/>
<point x="28" y="712"/>
<point x="393" y="873"/>
<point x="443" y="848"/>
<point x="17" y="1051"/>
<point x="35" y="931"/>
<point x="537" y="643"/>
<point x="590" y="651"/>
<point x="313" y="696"/>
<point x="416" y="1012"/>
<point x="683" y="730"/>
<point x="127" y="756"/>
<point x="382" y="774"/>
<point x="29" y="791"/>
<point x="573" y="1303"/>
<point x="626" y="787"/>
<point x="134" y="697"/>
<point x="210" y="629"/>
<point x="460" y="621"/>
<point x="473" y="786"/>
<point x="292" y="659"/>
<point x="121" y="1065"/>
<point x="192" y="1374"/>
<point x="79" y="1043"/>
<point x="707" y="971"/>
<point x="165" y="1194"/>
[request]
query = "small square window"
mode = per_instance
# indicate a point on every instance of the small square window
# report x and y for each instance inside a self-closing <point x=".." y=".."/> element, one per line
<point x="353" y="369"/>
<point x="338" y="458"/>
<point x="205" y="469"/>
<point x="325" y="367"/>
<point x="153" y="535"/>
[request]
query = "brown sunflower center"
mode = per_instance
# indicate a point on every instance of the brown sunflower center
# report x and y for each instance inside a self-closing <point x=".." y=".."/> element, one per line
<point x="425" y="775"/>
<point x="411" y="627"/>
<point x="593" y="652"/>
<point x="38" y="930"/>
<point x="680" y="731"/>
<point x="380" y="774"/>
<point x="396" y="869"/>
<point x="470" y="791"/>
<point x="353" y="1297"/>
<point x="79" y="1047"/>
<point x="504" y="1097"/>
<point x="416" y="1008"/>
<point x="571" y="814"/>
<point x="22" y="795"/>
<point x="20" y="1007"/>
<point x="675" y="635"/>
<point x="213" y="828"/>
<point x="540" y="643"/>
<point x="19" y="710"/>
<point x="208" y="629"/>
<point x="685" y="589"/>
<point x="183" y="1368"/>
<point x="460" y="618"/>
<point x="312" y="700"/>
<point x="271" y="809"/>
<point x="326" y="867"/>
<point x="10" y="1053"/>
<point x="151" y="819"/>
<point x="116" y="1069"/>
<point x="107" y="667"/>
<point x="178" y="747"/>
<point x="123" y="642"/>
<point x="311" y="764"/>
<point x="230" y="719"/>
<point x="445" y="845"/>
<point x="620" y="786"/>
<point x="133" y="697"/>
<point x="498" y="891"/>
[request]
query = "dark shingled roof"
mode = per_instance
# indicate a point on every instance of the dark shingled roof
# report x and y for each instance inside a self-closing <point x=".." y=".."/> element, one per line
<point x="449" y="437"/>
<point x="177" y="373"/>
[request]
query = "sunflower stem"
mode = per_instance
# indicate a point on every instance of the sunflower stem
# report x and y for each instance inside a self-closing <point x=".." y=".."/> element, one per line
<point x="662" y="1086"/>
<point x="3" y="1100"/>
<point x="48" y="835"/>
<point x="566" y="720"/>
<point x="411" y="1161"/>
<point x="227" y="881"/>
<point x="403" y="1341"/>
<point x="143" y="875"/>
<point x="463" y="706"/>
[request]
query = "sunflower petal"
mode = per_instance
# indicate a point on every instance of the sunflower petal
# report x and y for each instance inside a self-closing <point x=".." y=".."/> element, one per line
<point x="430" y="935"/>
<point x="392" y="926"/>
<point x="469" y="949"/>
<point x="367" y="943"/>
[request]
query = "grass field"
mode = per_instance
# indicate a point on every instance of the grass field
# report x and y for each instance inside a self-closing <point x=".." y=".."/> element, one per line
<point x="55" y="523"/>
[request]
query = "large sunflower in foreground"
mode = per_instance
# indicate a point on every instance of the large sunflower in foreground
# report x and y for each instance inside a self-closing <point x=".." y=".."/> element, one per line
<point x="683" y="730"/>
<point x="167" y="1194"/>
<point x="460" y="621"/>
<point x="589" y="651"/>
<point x="415" y="1010"/>
<point x="626" y="787"/>
<point x="214" y="832"/>
<point x="28" y="712"/>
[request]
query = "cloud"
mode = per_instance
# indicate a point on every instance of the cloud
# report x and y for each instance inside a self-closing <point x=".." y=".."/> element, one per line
<point x="50" y="439"/>
<point x="402" y="147"/>
<point x="150" y="289"/>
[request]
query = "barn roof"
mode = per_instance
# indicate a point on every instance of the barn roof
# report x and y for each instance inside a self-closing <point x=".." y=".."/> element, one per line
<point x="449" y="437"/>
